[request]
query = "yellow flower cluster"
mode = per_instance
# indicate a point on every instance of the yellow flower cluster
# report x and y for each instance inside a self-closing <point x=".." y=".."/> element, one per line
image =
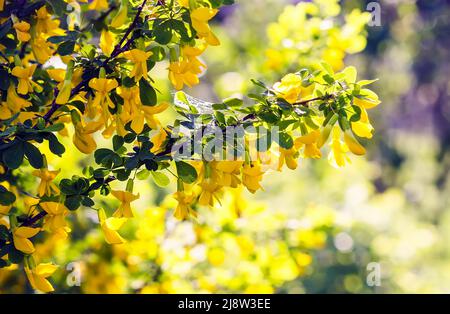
<point x="321" y="38"/>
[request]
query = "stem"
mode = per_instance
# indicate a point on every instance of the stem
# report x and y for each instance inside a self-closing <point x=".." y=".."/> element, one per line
<point x="118" y="48"/>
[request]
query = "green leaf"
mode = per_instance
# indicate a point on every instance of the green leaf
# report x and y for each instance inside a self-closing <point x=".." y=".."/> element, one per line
<point x="4" y="79"/>
<point x="55" y="127"/>
<point x="147" y="93"/>
<point x="66" y="48"/>
<point x="4" y="233"/>
<point x="328" y="78"/>
<point x="66" y="187"/>
<point x="5" y="28"/>
<point x="34" y="155"/>
<point x="6" y="197"/>
<point x="160" y="179"/>
<point x="186" y="172"/>
<point x="162" y="32"/>
<point x="102" y="154"/>
<point x="15" y="256"/>
<point x="3" y="263"/>
<point x="118" y="142"/>
<point x="158" y="54"/>
<point x="55" y="146"/>
<point x="88" y="202"/>
<point x="13" y="156"/>
<point x="233" y="102"/>
<point x="143" y="174"/>
<point x="73" y="202"/>
<point x="285" y="140"/>
<point x="58" y="6"/>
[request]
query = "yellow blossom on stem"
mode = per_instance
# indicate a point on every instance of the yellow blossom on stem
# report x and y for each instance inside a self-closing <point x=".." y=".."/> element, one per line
<point x="209" y="189"/>
<point x="291" y="88"/>
<point x="24" y="74"/>
<point x="227" y="172"/>
<point x="55" y="219"/>
<point x="288" y="156"/>
<point x="151" y="111"/>
<point x="310" y="141"/>
<point x="338" y="154"/>
<point x="14" y="101"/>
<point x="120" y="18"/>
<point x="41" y="49"/>
<point x="125" y="199"/>
<point x="158" y="140"/>
<point x="102" y="87"/>
<point x="184" y="207"/>
<point x="38" y="276"/>
<point x="139" y="58"/>
<point x="252" y="175"/>
<point x="46" y="186"/>
<point x="82" y="137"/>
<point x="21" y="240"/>
<point x="107" y="40"/>
<point x="110" y="227"/>
<point x="181" y="72"/>
<point x="99" y="5"/>
<point x="46" y="25"/>
<point x="353" y="145"/>
<point x="363" y="127"/>
<point x="200" y="18"/>
<point x="22" y="31"/>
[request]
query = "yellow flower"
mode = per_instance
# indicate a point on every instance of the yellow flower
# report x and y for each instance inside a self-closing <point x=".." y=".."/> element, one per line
<point x="14" y="101"/>
<point x="24" y="74"/>
<point x="102" y="87"/>
<point x="363" y="128"/>
<point x="310" y="141"/>
<point x="252" y="176"/>
<point x="367" y="99"/>
<point x="209" y="189"/>
<point x="291" y="89"/>
<point x="227" y="172"/>
<point x="288" y="156"/>
<point x="56" y="74"/>
<point x="184" y="209"/>
<point x="98" y="5"/>
<point x="21" y="240"/>
<point x="191" y="54"/>
<point x="130" y="109"/>
<point x="353" y="145"/>
<point x="47" y="187"/>
<point x="41" y="49"/>
<point x="180" y="73"/>
<point x="337" y="156"/>
<point x="120" y="18"/>
<point x="158" y="140"/>
<point x="184" y="3"/>
<point x="46" y="25"/>
<point x="125" y="199"/>
<point x="83" y="136"/>
<point x="110" y="226"/>
<point x="200" y="18"/>
<point x="37" y="276"/>
<point x="139" y="58"/>
<point x="151" y="111"/>
<point x="107" y="40"/>
<point x="22" y="29"/>
<point x="55" y="219"/>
